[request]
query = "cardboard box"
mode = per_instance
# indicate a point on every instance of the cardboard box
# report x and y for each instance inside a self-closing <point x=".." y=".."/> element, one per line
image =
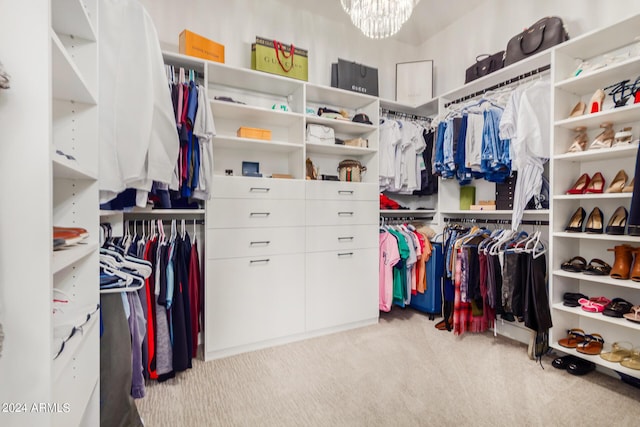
<point x="193" y="44"/>
<point x="254" y="133"/>
<point x="482" y="207"/>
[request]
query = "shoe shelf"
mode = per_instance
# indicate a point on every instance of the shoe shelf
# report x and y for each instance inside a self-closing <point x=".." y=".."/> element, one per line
<point x="405" y="212"/>
<point x="540" y="212"/>
<point x="597" y="360"/>
<point x="254" y="115"/>
<point x="624" y="114"/>
<point x="602" y="237"/>
<point x="64" y="258"/>
<point x="331" y="96"/>
<point x="73" y="17"/>
<point x="65" y="168"/>
<point x="598" y="316"/>
<point x="593" y="196"/>
<point x="343" y="126"/>
<point x="72" y="346"/>
<point x="605" y="280"/>
<point x="339" y="150"/>
<point x="603" y="77"/>
<point x="249" y="144"/>
<point x="69" y="81"/>
<point x="600" y="154"/>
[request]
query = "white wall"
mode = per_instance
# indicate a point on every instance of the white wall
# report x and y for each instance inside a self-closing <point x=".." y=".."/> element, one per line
<point x="236" y="23"/>
<point x="488" y="28"/>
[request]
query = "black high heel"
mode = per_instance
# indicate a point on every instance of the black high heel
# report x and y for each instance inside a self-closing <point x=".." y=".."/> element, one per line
<point x="575" y="223"/>
<point x="595" y="222"/>
<point x="618" y="221"/>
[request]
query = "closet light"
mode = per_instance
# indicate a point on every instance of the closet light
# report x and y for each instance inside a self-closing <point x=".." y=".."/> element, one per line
<point x="379" y="19"/>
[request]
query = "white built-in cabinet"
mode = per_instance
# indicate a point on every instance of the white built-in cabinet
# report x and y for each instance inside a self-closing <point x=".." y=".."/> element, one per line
<point x="286" y="258"/>
<point x="567" y="167"/>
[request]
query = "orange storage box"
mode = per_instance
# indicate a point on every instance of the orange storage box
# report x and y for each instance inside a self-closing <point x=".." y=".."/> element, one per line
<point x="193" y="44"/>
<point x="254" y="133"/>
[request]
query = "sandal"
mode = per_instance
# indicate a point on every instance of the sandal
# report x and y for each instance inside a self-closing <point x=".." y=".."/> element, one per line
<point x="605" y="139"/>
<point x="632" y="361"/>
<point x="594" y="305"/>
<point x="617" y="352"/>
<point x="597" y="267"/>
<point x="579" y="141"/>
<point x="576" y="264"/>
<point x="635" y="315"/>
<point x="617" y="308"/>
<point x="570" y="299"/>
<point x="623" y="137"/>
<point x="592" y="345"/>
<point x="574" y="337"/>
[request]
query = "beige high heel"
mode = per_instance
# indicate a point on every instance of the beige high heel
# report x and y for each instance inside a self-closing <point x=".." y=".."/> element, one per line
<point x="619" y="182"/>
<point x="579" y="141"/>
<point x="595" y="105"/>
<point x="623" y="137"/>
<point x="629" y="188"/>
<point x="578" y="110"/>
<point x="605" y="139"/>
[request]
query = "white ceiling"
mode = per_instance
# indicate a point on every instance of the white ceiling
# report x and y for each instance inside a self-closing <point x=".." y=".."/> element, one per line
<point x="428" y="18"/>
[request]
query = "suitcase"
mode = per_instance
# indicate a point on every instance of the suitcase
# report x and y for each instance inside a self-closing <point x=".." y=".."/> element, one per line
<point x="431" y="301"/>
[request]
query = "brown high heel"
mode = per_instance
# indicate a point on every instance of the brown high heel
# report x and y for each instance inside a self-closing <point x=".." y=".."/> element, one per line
<point x="579" y="141"/>
<point x="629" y="188"/>
<point x="578" y="110"/>
<point x="619" y="182"/>
<point x="622" y="264"/>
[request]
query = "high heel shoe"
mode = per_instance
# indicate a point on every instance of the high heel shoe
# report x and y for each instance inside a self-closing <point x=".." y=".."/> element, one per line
<point x="579" y="141"/>
<point x="580" y="185"/>
<point x="622" y="137"/>
<point x="618" y="221"/>
<point x="619" y="182"/>
<point x="629" y="188"/>
<point x="605" y="138"/>
<point x="578" y="109"/>
<point x="596" y="185"/>
<point x="575" y="223"/>
<point x="595" y="105"/>
<point x="594" y="222"/>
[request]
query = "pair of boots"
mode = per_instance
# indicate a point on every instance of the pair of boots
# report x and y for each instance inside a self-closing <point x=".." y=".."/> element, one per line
<point x="624" y="266"/>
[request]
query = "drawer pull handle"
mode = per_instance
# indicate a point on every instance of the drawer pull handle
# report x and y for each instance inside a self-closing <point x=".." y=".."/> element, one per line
<point x="259" y="189"/>
<point x="346" y="254"/>
<point x="263" y="214"/>
<point x="345" y="213"/>
<point x="265" y="242"/>
<point x="345" y="238"/>
<point x="255" y="261"/>
<point x="345" y="192"/>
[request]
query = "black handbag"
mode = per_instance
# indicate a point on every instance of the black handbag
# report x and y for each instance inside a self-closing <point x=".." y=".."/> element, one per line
<point x="542" y="35"/>
<point x="354" y="77"/>
<point x="487" y="65"/>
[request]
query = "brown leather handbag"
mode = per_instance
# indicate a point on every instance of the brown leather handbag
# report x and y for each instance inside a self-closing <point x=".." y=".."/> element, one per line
<point x="542" y="35"/>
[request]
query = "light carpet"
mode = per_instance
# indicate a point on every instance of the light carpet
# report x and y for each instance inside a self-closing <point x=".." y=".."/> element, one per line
<point x="400" y="372"/>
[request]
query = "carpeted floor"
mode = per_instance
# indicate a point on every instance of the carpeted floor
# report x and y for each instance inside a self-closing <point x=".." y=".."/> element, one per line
<point x="401" y="372"/>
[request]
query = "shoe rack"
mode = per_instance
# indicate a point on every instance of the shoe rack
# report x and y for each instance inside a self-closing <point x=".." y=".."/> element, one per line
<point x="52" y="106"/>
<point x="596" y="49"/>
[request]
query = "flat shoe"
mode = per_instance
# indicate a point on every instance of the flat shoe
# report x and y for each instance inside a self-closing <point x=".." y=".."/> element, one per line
<point x="597" y="267"/>
<point x="594" y="304"/>
<point x="634" y="316"/>
<point x="592" y="345"/>
<point x="617" y="308"/>
<point x="632" y="361"/>
<point x="576" y="264"/>
<point x="570" y="299"/>
<point x="581" y="367"/>
<point x="574" y="337"/>
<point x="564" y="361"/>
<point x="617" y="352"/>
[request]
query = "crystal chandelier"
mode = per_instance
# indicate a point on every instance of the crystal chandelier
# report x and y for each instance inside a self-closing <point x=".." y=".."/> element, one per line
<point x="379" y="19"/>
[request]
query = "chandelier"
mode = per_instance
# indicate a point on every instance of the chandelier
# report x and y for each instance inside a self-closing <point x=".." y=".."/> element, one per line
<point x="378" y="19"/>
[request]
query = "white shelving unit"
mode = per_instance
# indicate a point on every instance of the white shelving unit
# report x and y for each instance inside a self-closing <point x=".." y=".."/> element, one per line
<point x="567" y="167"/>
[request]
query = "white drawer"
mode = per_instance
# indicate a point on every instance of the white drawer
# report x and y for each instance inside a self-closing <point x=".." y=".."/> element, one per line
<point x="331" y="190"/>
<point x="331" y="212"/>
<point x="342" y="237"/>
<point x="342" y="287"/>
<point x="253" y="299"/>
<point x="247" y="213"/>
<point x="240" y="187"/>
<point x="247" y="242"/>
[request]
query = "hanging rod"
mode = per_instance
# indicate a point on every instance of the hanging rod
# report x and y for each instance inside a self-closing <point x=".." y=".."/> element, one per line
<point x="499" y="85"/>
<point x="402" y="115"/>
<point x="494" y="221"/>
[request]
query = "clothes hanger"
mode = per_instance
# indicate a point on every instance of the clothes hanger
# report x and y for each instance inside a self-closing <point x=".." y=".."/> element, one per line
<point x="194" y="231"/>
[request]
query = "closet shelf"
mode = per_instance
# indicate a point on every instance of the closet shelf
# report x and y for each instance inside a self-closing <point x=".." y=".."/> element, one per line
<point x="597" y="316"/>
<point x="429" y="108"/>
<point x="593" y="196"/>
<point x="605" y="280"/>
<point x="597" y="360"/>
<point x="409" y="212"/>
<point x="248" y="144"/>
<point x="254" y="115"/>
<point x="541" y="212"/>
<point x="104" y="213"/>
<point x="603" y="237"/>
<point x="587" y="83"/>
<point x="65" y="168"/>
<point x="335" y="97"/>
<point x="65" y="257"/>
<point x="338" y="149"/>
<point x="68" y="82"/>
<point x="164" y="212"/>
<point x="342" y="126"/>
<point x="617" y="116"/>
<point x="72" y="346"/>
<point x="600" y="154"/>
<point x="71" y="17"/>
